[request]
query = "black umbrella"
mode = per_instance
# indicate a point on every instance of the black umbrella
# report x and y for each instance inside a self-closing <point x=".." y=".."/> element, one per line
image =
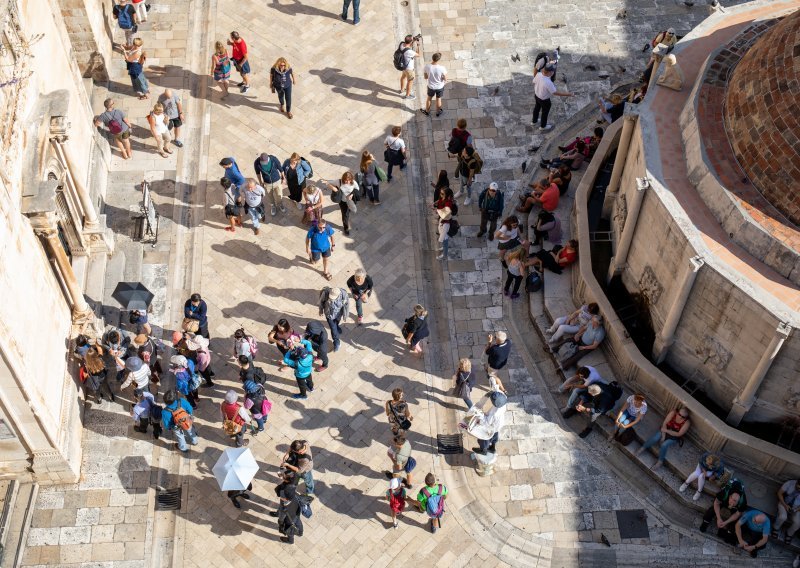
<point x="133" y="295"/>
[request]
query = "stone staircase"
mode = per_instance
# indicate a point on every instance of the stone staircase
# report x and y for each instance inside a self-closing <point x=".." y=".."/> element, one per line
<point x="17" y="500"/>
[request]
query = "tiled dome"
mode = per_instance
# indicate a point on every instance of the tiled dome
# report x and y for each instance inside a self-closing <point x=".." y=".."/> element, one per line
<point x="762" y="115"/>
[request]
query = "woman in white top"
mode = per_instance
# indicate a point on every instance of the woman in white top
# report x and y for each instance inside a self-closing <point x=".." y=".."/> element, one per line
<point x="507" y="237"/>
<point x="159" y="128"/>
<point x="445" y="217"/>
<point x="314" y="198"/>
<point x="348" y="187"/>
<point x="395" y="153"/>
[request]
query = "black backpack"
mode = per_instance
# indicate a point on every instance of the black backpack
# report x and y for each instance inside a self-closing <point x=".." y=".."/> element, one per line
<point x="454" y="208"/>
<point x="399" y="58"/>
<point x="456" y="145"/>
<point x="311" y="173"/>
<point x="452" y="230"/>
<point x="539" y="56"/>
<point x="533" y="283"/>
<point x="259" y="375"/>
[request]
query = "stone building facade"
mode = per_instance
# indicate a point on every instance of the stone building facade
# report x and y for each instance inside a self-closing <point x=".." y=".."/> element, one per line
<point x="53" y="239"/>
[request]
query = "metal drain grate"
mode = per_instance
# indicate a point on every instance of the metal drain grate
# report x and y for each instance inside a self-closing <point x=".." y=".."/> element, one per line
<point x="633" y="524"/>
<point x="168" y="499"/>
<point x="449" y="443"/>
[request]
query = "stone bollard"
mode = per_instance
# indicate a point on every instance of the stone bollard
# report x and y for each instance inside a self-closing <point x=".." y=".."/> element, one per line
<point x="484" y="464"/>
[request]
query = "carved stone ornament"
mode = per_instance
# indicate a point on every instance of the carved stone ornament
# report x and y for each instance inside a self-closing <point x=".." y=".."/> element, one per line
<point x="620" y="212"/>
<point x="714" y="354"/>
<point x="649" y="286"/>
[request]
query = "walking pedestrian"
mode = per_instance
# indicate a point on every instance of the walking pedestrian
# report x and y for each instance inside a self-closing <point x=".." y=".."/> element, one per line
<point x="254" y="203"/>
<point x="177" y="417"/>
<point x="319" y="244"/>
<point x="196" y="309"/>
<point x="431" y="499"/>
<point x="141" y="10"/>
<point x="508" y="237"/>
<point x="134" y="62"/>
<point x="491" y="203"/>
<point x="402" y="463"/>
<point x="346" y="7"/>
<point x="396" y="495"/>
<point x="173" y="108"/>
<point x="346" y="194"/>
<point x="543" y="90"/>
<point x="442" y="183"/>
<point x="368" y="170"/>
<point x="445" y="222"/>
<point x="515" y="268"/>
<point x="334" y="303"/>
<point x="436" y="74"/>
<point x="199" y="345"/>
<point x="233" y="211"/>
<point x="296" y="172"/>
<point x="395" y="152"/>
<point x="186" y="382"/>
<point x="145" y="412"/>
<point x="290" y="522"/>
<point x="159" y="128"/>
<point x="460" y="138"/>
<point x="464" y="381"/>
<point x="398" y="413"/>
<point x="469" y="165"/>
<point x="96" y="375"/>
<point x="360" y="285"/>
<point x="281" y="81"/>
<point x="406" y="65"/>
<point x="318" y="337"/>
<point x="235" y="494"/>
<point x="118" y="125"/>
<point x="300" y="357"/>
<point x="234" y="418"/>
<point x="498" y="348"/>
<point x="270" y="173"/>
<point x="300" y="460"/>
<point x="127" y="20"/>
<point x="221" y="67"/>
<point x="240" y="60"/>
<point x="232" y="172"/>
<point x="416" y="329"/>
<point x="256" y="401"/>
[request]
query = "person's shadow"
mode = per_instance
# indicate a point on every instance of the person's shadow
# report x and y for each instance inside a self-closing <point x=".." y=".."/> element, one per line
<point x="297" y="8"/>
<point x="342" y="84"/>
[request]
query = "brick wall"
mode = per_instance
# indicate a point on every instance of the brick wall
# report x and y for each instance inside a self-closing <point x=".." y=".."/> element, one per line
<point x="762" y="115"/>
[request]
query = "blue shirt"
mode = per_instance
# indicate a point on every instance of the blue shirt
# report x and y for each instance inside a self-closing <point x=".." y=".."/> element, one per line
<point x="234" y="174"/>
<point x="303" y="169"/>
<point x="320" y="240"/>
<point x="748" y="519"/>
<point x="303" y="367"/>
<point x="197" y="312"/>
<point x="166" y="415"/>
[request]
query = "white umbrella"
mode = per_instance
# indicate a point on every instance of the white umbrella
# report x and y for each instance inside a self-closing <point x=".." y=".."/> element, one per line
<point x="235" y="469"/>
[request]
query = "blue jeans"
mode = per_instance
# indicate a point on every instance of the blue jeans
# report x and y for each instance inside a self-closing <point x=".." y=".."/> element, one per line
<point x="485" y="444"/>
<point x="665" y="445"/>
<point x="255" y="215"/>
<point x="373" y="192"/>
<point x="466" y="186"/>
<point x="573" y="397"/>
<point x="260" y="422"/>
<point x="285" y="95"/>
<point x="625" y="419"/>
<point x="336" y="329"/>
<point x="308" y="479"/>
<point x="181" y="435"/>
<point x="445" y="247"/>
<point x="346" y="6"/>
<point x="139" y="83"/>
<point x="467" y="400"/>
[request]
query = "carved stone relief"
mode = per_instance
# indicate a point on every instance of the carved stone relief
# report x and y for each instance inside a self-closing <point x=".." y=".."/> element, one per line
<point x="649" y="286"/>
<point x="713" y="353"/>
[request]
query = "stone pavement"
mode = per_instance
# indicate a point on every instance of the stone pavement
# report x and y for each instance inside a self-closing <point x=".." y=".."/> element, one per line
<point x="551" y="496"/>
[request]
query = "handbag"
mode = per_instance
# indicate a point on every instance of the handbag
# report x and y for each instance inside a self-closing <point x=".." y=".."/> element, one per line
<point x="190" y="325"/>
<point x="410" y="465"/>
<point x="336" y="196"/>
<point x="351" y="205"/>
<point x="461" y="389"/>
<point x="380" y="173"/>
<point x="403" y="422"/>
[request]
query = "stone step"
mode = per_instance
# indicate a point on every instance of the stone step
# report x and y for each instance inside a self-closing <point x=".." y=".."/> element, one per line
<point x="16" y="520"/>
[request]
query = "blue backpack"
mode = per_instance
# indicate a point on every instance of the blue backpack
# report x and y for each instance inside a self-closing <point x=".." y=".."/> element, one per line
<point x="434" y="506"/>
<point x="125" y="17"/>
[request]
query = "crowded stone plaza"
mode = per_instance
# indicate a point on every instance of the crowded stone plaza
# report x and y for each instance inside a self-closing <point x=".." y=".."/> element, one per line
<point x="420" y="282"/>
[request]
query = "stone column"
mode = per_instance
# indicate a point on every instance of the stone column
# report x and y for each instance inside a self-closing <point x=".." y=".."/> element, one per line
<point x="630" y="119"/>
<point x="657" y="58"/>
<point x="58" y="132"/>
<point x="666" y="337"/>
<point x="745" y="399"/>
<point x="620" y="259"/>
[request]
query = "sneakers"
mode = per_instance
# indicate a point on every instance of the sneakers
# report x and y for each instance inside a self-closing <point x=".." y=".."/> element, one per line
<point x="273" y="210"/>
<point x="467" y="201"/>
<point x="439" y="112"/>
<point x="696" y="496"/>
<point x="359" y="320"/>
<point x="245" y="89"/>
<point x="440" y="257"/>
<point x="481" y="233"/>
<point x="514" y="296"/>
<point x="321" y="368"/>
<point x="240" y="84"/>
<point x="178" y="143"/>
<point x="425" y="112"/>
<point x="683" y="487"/>
<point x="505" y="292"/>
<point x="457" y="195"/>
<point x="336" y="345"/>
<point x="395" y="524"/>
<point x="299" y="396"/>
<point x="411" y="97"/>
<point x="433" y="527"/>
<point x="546" y="128"/>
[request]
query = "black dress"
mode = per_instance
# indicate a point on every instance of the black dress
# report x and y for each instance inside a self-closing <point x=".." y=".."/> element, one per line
<point x="295" y="189"/>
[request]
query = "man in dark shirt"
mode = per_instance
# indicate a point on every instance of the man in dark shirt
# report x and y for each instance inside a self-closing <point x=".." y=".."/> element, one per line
<point x="498" y="348"/>
<point x="729" y="504"/>
<point x="360" y="286"/>
<point x="318" y="336"/>
<point x="196" y="308"/>
<point x="290" y="523"/>
<point x="249" y="372"/>
<point x="598" y="400"/>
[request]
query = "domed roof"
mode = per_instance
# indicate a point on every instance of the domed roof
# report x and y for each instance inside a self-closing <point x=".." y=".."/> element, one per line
<point x="762" y="115"/>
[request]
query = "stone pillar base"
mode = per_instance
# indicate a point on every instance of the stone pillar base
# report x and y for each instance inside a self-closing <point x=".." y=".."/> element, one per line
<point x="737" y="412"/>
<point x="484" y="464"/>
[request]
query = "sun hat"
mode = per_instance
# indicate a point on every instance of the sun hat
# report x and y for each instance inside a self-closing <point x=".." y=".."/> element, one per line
<point x="178" y="361"/>
<point x="133" y="364"/>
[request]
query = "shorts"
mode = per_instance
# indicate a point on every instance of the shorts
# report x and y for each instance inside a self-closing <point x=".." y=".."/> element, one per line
<point x="408" y="74"/>
<point x="508" y="245"/>
<point x="174" y="123"/>
<point x="435" y="93"/>
<point x="316" y="255"/>
<point x="242" y="69"/>
<point x="123" y="135"/>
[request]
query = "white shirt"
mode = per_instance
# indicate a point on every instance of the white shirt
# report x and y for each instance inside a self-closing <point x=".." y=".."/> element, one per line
<point x="158" y="122"/>
<point x="409" y="56"/>
<point x="348" y="188"/>
<point x="395" y="143"/>
<point x="594" y="377"/>
<point x="543" y="87"/>
<point x="253" y="196"/>
<point x="436" y="76"/>
<point x="633" y="411"/>
<point x="507" y="234"/>
<point x="790" y="495"/>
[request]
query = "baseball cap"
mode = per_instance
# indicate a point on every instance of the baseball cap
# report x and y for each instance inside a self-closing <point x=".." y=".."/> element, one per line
<point x="394" y="483"/>
<point x="671" y="31"/>
<point x="494" y="186"/>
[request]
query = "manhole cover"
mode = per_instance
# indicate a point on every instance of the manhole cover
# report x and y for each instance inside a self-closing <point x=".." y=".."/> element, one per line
<point x="449" y="443"/>
<point x="633" y="524"/>
<point x="168" y="499"/>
